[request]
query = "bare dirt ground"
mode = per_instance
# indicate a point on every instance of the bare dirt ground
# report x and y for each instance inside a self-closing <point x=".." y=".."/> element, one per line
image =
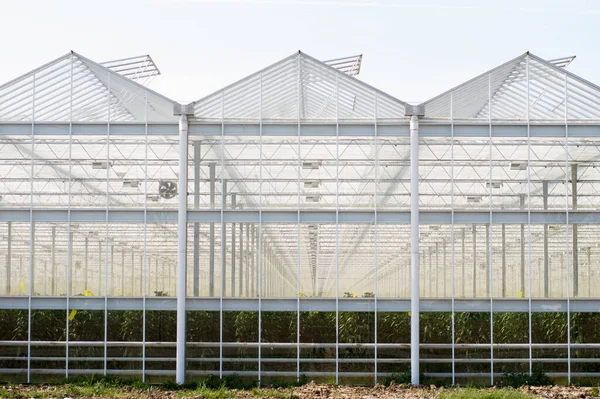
<point x="308" y="391"/>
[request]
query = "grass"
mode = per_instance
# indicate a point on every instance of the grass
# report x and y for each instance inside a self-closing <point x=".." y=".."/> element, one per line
<point x="208" y="393"/>
<point x="270" y="393"/>
<point x="234" y="387"/>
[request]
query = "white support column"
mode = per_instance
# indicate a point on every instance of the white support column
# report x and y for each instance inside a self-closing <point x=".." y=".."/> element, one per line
<point x="233" y="205"/>
<point x="52" y="263"/>
<point x="504" y="260"/>
<point x="241" y="267"/>
<point x="86" y="264"/>
<point x="123" y="271"/>
<point x="414" y="248"/>
<point x="211" y="234"/>
<point x="196" y="283"/>
<point x="182" y="247"/>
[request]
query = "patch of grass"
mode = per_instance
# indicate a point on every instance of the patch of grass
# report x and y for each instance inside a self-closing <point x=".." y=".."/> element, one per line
<point x="270" y="393"/>
<point x="470" y="393"/>
<point x="108" y="382"/>
<point x="208" y="393"/>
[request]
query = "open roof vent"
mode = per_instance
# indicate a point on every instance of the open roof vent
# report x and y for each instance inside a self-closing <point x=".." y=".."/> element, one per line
<point x="474" y="198"/>
<point x="312" y="184"/>
<point x="348" y="65"/>
<point x="141" y="68"/>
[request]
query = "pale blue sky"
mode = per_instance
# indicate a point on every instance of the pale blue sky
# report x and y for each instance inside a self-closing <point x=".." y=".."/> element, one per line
<point x="412" y="49"/>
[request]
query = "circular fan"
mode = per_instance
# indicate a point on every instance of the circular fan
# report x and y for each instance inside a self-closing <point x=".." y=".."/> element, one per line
<point x="167" y="189"/>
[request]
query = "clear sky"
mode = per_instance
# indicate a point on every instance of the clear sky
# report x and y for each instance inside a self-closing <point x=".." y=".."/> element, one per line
<point x="413" y="49"/>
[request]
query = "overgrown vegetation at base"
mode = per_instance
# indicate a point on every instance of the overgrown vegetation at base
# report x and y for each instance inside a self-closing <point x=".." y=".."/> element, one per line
<point x="519" y="379"/>
<point x="117" y="389"/>
<point x="126" y="327"/>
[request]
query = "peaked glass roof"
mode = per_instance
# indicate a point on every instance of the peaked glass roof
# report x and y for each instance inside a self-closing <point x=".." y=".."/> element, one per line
<point x="526" y="87"/>
<point x="74" y="88"/>
<point x="299" y="87"/>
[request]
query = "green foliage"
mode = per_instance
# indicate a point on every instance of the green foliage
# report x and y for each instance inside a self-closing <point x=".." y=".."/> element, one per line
<point x="271" y="393"/>
<point x="398" y="378"/>
<point x="315" y="327"/>
<point x="519" y="379"/>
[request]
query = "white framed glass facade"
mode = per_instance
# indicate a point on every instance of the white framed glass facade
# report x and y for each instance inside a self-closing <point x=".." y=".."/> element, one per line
<point x="297" y="257"/>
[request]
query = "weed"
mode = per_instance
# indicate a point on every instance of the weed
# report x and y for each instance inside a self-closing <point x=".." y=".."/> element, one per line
<point x="519" y="379"/>
<point x="398" y="378"/>
<point x="171" y="385"/>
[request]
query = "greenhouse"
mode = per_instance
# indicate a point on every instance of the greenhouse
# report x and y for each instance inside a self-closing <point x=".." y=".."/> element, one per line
<point x="299" y="224"/>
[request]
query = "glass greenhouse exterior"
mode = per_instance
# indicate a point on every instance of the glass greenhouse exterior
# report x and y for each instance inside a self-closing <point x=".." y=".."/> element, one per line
<point x="330" y="231"/>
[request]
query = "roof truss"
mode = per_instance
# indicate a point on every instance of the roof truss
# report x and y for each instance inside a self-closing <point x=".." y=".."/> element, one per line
<point x="299" y="87"/>
<point x="524" y="88"/>
<point x="74" y="88"/>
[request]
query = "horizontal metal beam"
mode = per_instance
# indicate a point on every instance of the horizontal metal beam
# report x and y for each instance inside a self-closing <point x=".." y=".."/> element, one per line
<point x="88" y="129"/>
<point x="428" y="128"/>
<point x="308" y="374"/>
<point x="116" y="215"/>
<point x="306" y="304"/>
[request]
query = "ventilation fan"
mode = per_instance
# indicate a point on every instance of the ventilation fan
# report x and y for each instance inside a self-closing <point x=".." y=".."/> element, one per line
<point x="167" y="189"/>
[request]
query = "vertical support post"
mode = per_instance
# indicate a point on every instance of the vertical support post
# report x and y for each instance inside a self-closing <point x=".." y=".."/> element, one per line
<point x="589" y="265"/>
<point x="53" y="262"/>
<point x="463" y="281"/>
<point x="196" y="283"/>
<point x="241" y="271"/>
<point x="488" y="265"/>
<point x="252" y="261"/>
<point x="70" y="266"/>
<point x="223" y="276"/>
<point x="575" y="235"/>
<point x="112" y="268"/>
<point x="522" y="207"/>
<point x="431" y="275"/>
<point x="182" y="249"/>
<point x="546" y="258"/>
<point x="85" y="265"/>
<point x="8" y="257"/>
<point x="123" y="272"/>
<point x="211" y="234"/>
<point x="32" y="262"/>
<point x="233" y="204"/>
<point x="503" y="260"/>
<point x="247" y="254"/>
<point x="414" y="249"/>
<point x="474" y="261"/>
<point x="156" y="275"/>
<point x="437" y="268"/>
<point x="444" y="278"/>
<point x="100" y="279"/>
